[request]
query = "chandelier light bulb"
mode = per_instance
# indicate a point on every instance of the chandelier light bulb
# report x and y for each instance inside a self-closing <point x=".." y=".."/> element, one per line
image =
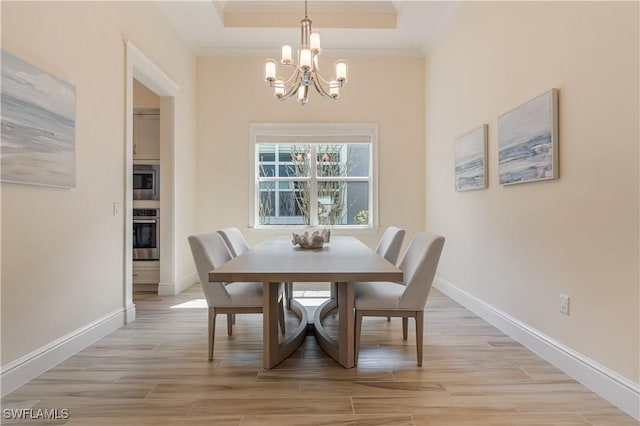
<point x="305" y="59"/>
<point x="315" y="43"/>
<point x="302" y="95"/>
<point x="270" y="70"/>
<point x="341" y="71"/>
<point x="279" y="88"/>
<point x="334" y="89"/>
<point x="286" y="54"/>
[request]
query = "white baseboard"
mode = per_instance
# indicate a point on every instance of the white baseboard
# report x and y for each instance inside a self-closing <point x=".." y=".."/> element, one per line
<point x="187" y="282"/>
<point x="171" y="289"/>
<point x="130" y="313"/>
<point x="621" y="392"/>
<point x="166" y="289"/>
<point x="31" y="365"/>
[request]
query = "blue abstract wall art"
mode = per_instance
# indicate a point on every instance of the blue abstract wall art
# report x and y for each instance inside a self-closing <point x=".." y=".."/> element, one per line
<point x="471" y="159"/>
<point x="38" y="124"/>
<point x="528" y="141"/>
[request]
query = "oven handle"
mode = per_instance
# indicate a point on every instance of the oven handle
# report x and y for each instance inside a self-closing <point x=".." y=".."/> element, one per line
<point x="145" y="220"/>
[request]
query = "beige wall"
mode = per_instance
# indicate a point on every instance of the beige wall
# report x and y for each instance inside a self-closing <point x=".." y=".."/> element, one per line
<point x="63" y="250"/>
<point x="232" y="94"/>
<point x="143" y="97"/>
<point x="518" y="247"/>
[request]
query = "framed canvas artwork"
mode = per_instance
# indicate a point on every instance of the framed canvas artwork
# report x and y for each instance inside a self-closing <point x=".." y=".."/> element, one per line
<point x="38" y="145"/>
<point x="471" y="159"/>
<point x="528" y="141"/>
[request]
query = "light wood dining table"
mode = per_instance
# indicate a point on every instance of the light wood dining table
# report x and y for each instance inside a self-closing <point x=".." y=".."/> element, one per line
<point x="344" y="260"/>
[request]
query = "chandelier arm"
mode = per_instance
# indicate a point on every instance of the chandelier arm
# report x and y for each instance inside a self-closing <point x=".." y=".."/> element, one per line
<point x="293" y="89"/>
<point x="320" y="89"/>
<point x="328" y="83"/>
<point x="293" y="76"/>
<point x="290" y="91"/>
<point x="322" y="79"/>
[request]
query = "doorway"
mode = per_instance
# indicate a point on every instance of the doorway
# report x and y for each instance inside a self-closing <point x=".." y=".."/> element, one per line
<point x="146" y="189"/>
<point x="141" y="69"/>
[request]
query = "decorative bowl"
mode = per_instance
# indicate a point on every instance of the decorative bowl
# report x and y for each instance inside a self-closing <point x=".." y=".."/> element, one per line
<point x="314" y="241"/>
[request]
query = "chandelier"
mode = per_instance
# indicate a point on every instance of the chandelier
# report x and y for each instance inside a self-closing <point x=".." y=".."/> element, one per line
<point x="305" y="72"/>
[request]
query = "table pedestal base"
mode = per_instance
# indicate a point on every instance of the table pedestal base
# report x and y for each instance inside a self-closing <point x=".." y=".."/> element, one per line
<point x="343" y="350"/>
<point x="274" y="351"/>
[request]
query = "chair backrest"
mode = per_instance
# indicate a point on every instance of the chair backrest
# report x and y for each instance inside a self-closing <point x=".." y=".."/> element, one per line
<point x="390" y="244"/>
<point x="209" y="252"/>
<point x="419" y="265"/>
<point x="234" y="240"/>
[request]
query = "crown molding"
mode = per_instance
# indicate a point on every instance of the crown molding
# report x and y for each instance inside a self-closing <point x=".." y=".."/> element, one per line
<point x="335" y="53"/>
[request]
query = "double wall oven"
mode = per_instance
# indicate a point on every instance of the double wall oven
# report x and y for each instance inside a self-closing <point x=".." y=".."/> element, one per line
<point x="146" y="234"/>
<point x="146" y="221"/>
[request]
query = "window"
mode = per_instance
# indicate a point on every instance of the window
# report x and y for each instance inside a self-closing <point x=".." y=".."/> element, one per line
<point x="313" y="175"/>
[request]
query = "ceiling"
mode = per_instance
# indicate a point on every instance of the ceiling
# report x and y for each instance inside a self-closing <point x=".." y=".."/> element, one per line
<point x="347" y="28"/>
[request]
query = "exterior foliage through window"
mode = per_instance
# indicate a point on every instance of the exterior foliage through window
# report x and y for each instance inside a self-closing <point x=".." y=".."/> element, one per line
<point x="313" y="184"/>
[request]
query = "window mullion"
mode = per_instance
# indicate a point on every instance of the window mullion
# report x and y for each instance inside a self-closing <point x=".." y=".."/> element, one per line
<point x="258" y="194"/>
<point x="283" y="179"/>
<point x="276" y="174"/>
<point x="313" y="187"/>
<point x="344" y="179"/>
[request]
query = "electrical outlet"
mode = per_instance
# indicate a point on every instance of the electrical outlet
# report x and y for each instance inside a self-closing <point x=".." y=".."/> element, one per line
<point x="116" y="208"/>
<point x="564" y="304"/>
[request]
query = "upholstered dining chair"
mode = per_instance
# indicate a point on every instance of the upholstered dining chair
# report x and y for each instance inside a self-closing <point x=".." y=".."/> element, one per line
<point x="390" y="244"/>
<point x="237" y="245"/>
<point x="406" y="299"/>
<point x="210" y="252"/>
<point x="388" y="247"/>
<point x="235" y="241"/>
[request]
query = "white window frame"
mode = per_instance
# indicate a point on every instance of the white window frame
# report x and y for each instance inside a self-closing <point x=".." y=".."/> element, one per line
<point x="306" y="130"/>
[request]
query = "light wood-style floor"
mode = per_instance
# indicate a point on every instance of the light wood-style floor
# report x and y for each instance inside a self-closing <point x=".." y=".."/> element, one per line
<point x="155" y="372"/>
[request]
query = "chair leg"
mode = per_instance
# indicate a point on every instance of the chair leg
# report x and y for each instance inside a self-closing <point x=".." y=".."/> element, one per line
<point x="419" y="333"/>
<point x="281" y="317"/>
<point x="229" y="324"/>
<point x="405" y="327"/>
<point x="388" y="319"/>
<point x="212" y="330"/>
<point x="358" y="332"/>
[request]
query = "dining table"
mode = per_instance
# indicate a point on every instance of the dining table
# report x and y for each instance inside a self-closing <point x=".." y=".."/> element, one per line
<point x="341" y="262"/>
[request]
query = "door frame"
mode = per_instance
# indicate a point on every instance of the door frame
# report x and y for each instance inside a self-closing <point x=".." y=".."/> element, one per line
<point x="143" y="69"/>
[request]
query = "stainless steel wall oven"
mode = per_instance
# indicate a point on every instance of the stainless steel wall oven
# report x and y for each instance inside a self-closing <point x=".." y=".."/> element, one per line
<point x="146" y="234"/>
